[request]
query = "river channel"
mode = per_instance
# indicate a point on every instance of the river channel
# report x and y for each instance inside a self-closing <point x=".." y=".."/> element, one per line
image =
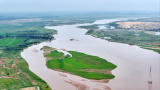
<point x="133" y="63"/>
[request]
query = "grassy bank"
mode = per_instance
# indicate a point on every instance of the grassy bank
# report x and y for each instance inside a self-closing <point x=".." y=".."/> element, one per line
<point x="131" y="37"/>
<point x="151" y="47"/>
<point x="87" y="66"/>
<point x="10" y="41"/>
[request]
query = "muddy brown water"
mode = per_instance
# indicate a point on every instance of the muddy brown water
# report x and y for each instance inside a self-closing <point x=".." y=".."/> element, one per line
<point x="132" y="72"/>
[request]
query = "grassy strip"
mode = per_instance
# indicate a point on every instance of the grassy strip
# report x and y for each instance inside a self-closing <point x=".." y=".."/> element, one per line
<point x="150" y="48"/>
<point x="79" y="62"/>
<point x="156" y="50"/>
<point x="55" y="54"/>
<point x="131" y="37"/>
<point x="5" y="83"/>
<point x="10" y="41"/>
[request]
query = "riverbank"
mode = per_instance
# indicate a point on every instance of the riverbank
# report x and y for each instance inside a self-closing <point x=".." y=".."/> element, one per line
<point x="132" y="36"/>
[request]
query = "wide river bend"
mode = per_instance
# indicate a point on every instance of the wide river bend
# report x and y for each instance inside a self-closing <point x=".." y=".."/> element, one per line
<point x="132" y="72"/>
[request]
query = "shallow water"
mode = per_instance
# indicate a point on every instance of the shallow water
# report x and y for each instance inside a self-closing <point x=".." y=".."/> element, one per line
<point x="132" y="72"/>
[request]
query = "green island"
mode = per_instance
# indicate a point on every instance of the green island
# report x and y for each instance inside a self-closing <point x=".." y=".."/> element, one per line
<point x="87" y="66"/>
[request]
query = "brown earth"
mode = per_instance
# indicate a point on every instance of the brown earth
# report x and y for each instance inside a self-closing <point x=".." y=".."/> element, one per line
<point x="61" y="74"/>
<point x="139" y="25"/>
<point x="78" y="85"/>
<point x="104" y="71"/>
<point x="29" y="88"/>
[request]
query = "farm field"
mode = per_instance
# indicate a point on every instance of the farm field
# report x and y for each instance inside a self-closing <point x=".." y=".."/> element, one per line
<point x="15" y="73"/>
<point x="10" y="41"/>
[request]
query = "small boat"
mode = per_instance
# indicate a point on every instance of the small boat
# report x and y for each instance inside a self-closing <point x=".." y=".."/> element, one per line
<point x="150" y="77"/>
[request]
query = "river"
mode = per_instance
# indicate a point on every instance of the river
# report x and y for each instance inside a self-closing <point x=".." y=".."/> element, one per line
<point x="132" y="72"/>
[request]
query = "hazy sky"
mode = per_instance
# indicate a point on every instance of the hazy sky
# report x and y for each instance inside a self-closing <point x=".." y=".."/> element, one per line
<point x="78" y="5"/>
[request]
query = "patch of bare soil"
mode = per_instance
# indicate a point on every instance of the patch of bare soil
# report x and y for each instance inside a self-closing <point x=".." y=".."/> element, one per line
<point x="1" y="62"/>
<point x="107" y="88"/>
<point x="48" y="58"/>
<point x="150" y="32"/>
<point x="2" y="72"/>
<point x="101" y="81"/>
<point x="78" y="85"/>
<point x="48" y="49"/>
<point x="139" y="25"/>
<point x="5" y="60"/>
<point x="29" y="88"/>
<point x="96" y="89"/>
<point x="20" y="20"/>
<point x="61" y="74"/>
<point x="16" y="60"/>
<point x="34" y="50"/>
<point x="4" y="77"/>
<point x="34" y="83"/>
<point x="83" y="80"/>
<point x="104" y="71"/>
<point x="13" y="65"/>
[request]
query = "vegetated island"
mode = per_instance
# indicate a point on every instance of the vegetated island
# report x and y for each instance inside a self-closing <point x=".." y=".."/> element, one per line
<point x="86" y="66"/>
<point x="140" y="32"/>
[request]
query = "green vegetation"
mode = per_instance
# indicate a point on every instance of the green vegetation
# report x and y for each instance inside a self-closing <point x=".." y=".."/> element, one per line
<point x="87" y="66"/>
<point x="19" y="31"/>
<point x="89" y="31"/>
<point x="71" y="39"/>
<point x="10" y="41"/>
<point x="55" y="54"/>
<point x="151" y="47"/>
<point x="90" y="27"/>
<point x="22" y="31"/>
<point x="114" y="24"/>
<point x="15" y="73"/>
<point x="22" y="39"/>
<point x="24" y="66"/>
<point x="14" y="37"/>
<point x="132" y="37"/>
